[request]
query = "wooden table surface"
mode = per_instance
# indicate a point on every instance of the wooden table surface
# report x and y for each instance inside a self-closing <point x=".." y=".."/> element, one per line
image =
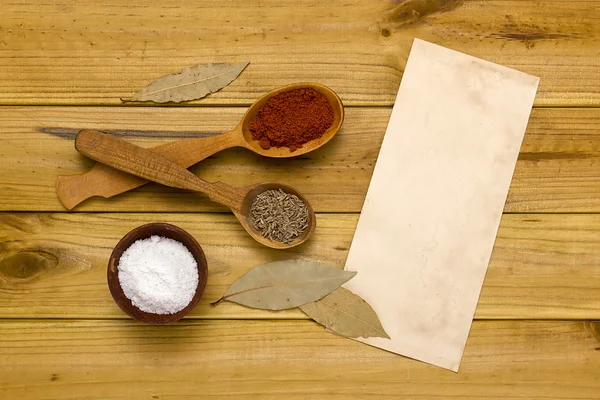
<point x="64" y="65"/>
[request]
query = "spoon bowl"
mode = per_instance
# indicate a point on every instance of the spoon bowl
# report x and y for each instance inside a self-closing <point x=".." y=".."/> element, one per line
<point x="283" y="152"/>
<point x="244" y="215"/>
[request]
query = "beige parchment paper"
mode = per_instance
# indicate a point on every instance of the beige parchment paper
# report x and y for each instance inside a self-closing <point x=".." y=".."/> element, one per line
<point x="427" y="228"/>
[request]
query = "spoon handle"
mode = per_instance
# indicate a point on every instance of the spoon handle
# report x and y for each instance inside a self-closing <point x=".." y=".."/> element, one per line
<point x="145" y="164"/>
<point x="105" y="181"/>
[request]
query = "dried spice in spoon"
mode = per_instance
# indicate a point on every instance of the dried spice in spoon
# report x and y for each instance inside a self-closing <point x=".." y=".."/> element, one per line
<point x="292" y="118"/>
<point x="279" y="216"/>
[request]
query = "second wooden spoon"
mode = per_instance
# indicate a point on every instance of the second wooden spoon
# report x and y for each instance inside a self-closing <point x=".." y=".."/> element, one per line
<point x="138" y="161"/>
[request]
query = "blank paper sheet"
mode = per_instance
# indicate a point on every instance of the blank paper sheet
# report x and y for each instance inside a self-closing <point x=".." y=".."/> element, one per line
<point x="432" y="211"/>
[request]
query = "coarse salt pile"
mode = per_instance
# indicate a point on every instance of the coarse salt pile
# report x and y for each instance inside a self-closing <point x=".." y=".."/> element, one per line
<point x="159" y="275"/>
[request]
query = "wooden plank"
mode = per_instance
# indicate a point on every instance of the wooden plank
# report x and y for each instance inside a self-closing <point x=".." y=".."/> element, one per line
<point x="72" y="53"/>
<point x="557" y="170"/>
<point x="54" y="265"/>
<point x="286" y="359"/>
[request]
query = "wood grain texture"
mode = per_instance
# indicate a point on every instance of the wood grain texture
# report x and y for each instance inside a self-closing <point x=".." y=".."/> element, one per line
<point x="74" y="53"/>
<point x="557" y="170"/>
<point x="54" y="265"/>
<point x="504" y="360"/>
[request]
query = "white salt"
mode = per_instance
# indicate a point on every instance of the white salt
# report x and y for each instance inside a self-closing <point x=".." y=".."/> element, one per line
<point x="159" y="275"/>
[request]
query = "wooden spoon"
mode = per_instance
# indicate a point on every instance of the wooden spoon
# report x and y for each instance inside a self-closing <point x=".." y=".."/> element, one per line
<point x="104" y="181"/>
<point x="138" y="161"/>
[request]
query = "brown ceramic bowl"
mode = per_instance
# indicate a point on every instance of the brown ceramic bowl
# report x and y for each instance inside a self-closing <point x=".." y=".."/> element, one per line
<point x="144" y="232"/>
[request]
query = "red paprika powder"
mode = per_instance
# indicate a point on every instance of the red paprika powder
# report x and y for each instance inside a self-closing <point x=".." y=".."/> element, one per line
<point x="291" y="119"/>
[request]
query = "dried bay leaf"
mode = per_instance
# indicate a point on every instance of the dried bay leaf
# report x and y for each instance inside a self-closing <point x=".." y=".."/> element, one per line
<point x="286" y="284"/>
<point x="347" y="314"/>
<point x="190" y="84"/>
